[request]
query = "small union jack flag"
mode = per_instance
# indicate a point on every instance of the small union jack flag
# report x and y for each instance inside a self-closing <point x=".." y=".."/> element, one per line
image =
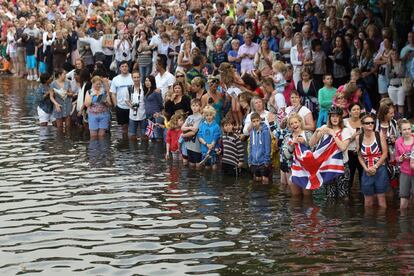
<point x="310" y="170"/>
<point x="150" y="129"/>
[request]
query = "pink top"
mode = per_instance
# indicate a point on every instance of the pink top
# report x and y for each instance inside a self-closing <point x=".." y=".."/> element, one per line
<point x="400" y="149"/>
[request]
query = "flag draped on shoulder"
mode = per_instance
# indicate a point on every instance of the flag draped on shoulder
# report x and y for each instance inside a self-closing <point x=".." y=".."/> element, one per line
<point x="150" y="129"/>
<point x="310" y="170"/>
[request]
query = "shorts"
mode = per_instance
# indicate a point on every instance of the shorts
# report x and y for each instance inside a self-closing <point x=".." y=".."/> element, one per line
<point x="260" y="170"/>
<point x="98" y="121"/>
<point x="212" y="160"/>
<point x="376" y="184"/>
<point x="229" y="169"/>
<point x="396" y="94"/>
<point x="406" y="185"/>
<point x="30" y="62"/>
<point x="122" y="116"/>
<point x="135" y="126"/>
<point x="21" y="54"/>
<point x="193" y="157"/>
<point x="43" y="116"/>
<point x="42" y="67"/>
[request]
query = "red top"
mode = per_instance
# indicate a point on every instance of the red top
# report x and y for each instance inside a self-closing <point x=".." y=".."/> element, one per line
<point x="172" y="138"/>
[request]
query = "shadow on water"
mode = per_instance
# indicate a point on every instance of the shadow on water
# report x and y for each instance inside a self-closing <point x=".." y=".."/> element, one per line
<point x="115" y="207"/>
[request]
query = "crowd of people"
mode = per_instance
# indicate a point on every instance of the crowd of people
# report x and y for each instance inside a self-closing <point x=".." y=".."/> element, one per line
<point x="257" y="84"/>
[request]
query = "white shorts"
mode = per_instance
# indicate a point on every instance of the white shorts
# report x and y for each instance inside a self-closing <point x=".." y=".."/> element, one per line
<point x="396" y="94"/>
<point x="44" y="117"/>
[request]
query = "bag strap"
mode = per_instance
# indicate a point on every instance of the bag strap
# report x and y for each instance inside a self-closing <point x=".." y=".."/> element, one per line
<point x="377" y="139"/>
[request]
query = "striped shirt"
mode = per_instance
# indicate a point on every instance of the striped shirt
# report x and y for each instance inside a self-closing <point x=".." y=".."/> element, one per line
<point x="232" y="149"/>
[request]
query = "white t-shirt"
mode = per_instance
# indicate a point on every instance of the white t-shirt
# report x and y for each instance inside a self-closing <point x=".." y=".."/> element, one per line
<point x="353" y="145"/>
<point x="303" y="111"/>
<point x="119" y="86"/>
<point x="233" y="91"/>
<point x="164" y="82"/>
<point x="280" y="101"/>
<point x="137" y="97"/>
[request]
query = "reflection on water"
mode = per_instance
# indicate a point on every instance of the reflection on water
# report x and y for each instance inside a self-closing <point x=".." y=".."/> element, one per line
<point x="112" y="207"/>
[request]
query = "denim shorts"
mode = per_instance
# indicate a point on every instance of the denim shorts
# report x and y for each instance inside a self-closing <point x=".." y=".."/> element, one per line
<point x="135" y="126"/>
<point x="98" y="121"/>
<point x="376" y="184"/>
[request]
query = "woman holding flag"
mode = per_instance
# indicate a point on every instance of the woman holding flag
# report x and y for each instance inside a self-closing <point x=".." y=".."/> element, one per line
<point x="341" y="136"/>
<point x="291" y="148"/>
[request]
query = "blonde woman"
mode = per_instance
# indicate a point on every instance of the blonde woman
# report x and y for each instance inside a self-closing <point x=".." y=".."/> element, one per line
<point x="98" y="102"/>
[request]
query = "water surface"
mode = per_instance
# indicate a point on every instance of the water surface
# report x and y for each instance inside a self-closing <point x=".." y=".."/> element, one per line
<point x="73" y="206"/>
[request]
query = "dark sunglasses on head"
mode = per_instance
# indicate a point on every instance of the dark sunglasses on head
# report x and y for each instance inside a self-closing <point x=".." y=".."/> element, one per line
<point x="369" y="123"/>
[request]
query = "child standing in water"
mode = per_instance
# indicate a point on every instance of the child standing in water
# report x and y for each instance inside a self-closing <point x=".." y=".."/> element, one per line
<point x="403" y="147"/>
<point x="190" y="129"/>
<point x="173" y="136"/>
<point x="209" y="135"/>
<point x="233" y="151"/>
<point x="259" y="150"/>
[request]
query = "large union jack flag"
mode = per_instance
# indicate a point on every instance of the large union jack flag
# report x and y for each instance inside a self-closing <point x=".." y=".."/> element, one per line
<point x="310" y="170"/>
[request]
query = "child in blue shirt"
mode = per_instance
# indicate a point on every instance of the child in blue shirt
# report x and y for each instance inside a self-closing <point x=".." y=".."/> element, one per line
<point x="209" y="134"/>
<point x="260" y="150"/>
<point x="233" y="55"/>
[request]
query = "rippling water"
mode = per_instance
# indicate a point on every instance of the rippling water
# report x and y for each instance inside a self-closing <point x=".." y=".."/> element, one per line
<point x="71" y="206"/>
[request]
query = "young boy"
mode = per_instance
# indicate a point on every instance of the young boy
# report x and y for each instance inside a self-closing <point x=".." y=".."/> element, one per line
<point x="218" y="56"/>
<point x="259" y="150"/>
<point x="233" y="152"/>
<point x="209" y="134"/>
<point x="189" y="130"/>
<point x="30" y="56"/>
<point x="325" y="98"/>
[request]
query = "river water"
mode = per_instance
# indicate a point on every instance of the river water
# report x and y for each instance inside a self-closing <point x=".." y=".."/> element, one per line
<point x="70" y="206"/>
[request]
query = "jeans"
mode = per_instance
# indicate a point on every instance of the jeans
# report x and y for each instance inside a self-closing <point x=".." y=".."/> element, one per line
<point x="145" y="71"/>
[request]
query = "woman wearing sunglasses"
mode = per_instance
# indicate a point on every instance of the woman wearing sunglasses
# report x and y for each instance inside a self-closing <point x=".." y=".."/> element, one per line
<point x="372" y="155"/>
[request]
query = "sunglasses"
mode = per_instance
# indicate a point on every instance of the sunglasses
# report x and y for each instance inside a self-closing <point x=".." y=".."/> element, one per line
<point x="179" y="76"/>
<point x="369" y="123"/>
<point x="340" y="98"/>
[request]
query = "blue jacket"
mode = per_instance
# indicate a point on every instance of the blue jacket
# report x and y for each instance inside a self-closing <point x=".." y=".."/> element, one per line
<point x="260" y="146"/>
<point x="210" y="133"/>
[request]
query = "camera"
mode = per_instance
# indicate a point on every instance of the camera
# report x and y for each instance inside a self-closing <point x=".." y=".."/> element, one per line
<point x="135" y="109"/>
<point x="389" y="141"/>
<point x="124" y="54"/>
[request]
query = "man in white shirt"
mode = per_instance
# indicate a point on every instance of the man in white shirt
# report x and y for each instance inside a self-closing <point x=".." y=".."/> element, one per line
<point x="164" y="79"/>
<point x="95" y="42"/>
<point x="120" y="95"/>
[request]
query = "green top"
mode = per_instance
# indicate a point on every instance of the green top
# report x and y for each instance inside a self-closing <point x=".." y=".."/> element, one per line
<point x="3" y="49"/>
<point x="325" y="97"/>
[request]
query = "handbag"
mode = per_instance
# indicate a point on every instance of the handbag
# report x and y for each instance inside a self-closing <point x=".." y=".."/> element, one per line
<point x="393" y="170"/>
<point x="113" y="64"/>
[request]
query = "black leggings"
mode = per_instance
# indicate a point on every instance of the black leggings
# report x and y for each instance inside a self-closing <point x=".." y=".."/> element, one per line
<point x="353" y="166"/>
